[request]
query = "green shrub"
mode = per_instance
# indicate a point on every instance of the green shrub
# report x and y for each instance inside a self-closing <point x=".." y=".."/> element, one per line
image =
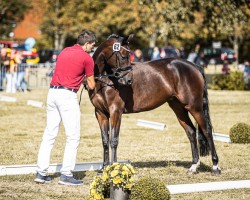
<point x="240" y="133"/>
<point x="150" y="189"/>
<point x="233" y="81"/>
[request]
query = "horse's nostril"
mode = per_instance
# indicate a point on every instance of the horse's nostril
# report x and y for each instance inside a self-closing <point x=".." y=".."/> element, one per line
<point x="117" y="74"/>
<point x="130" y="82"/>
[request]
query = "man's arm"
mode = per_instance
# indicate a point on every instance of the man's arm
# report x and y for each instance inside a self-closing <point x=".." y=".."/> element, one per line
<point x="91" y="82"/>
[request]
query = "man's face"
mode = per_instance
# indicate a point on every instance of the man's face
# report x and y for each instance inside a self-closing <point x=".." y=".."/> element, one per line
<point x="89" y="47"/>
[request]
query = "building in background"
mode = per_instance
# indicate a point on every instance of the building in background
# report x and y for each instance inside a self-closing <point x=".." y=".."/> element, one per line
<point x="29" y="27"/>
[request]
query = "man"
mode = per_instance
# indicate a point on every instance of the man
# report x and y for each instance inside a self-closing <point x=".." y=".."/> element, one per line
<point x="200" y="60"/>
<point x="72" y="65"/>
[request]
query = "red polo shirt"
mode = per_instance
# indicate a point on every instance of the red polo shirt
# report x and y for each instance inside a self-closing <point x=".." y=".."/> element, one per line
<point x="71" y="66"/>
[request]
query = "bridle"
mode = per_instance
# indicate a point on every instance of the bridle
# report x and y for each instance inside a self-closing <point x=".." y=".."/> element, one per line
<point x="117" y="72"/>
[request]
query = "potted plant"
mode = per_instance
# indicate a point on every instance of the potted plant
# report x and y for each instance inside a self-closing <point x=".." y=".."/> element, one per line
<point x="98" y="188"/>
<point x="120" y="178"/>
<point x="116" y="178"/>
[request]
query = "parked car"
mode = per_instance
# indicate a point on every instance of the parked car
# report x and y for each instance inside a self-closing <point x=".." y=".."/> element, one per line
<point x="169" y="51"/>
<point x="48" y="55"/>
<point x="9" y="44"/>
<point x="218" y="55"/>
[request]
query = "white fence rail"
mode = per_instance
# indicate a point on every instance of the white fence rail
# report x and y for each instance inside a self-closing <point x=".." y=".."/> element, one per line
<point x="53" y="168"/>
<point x="36" y="75"/>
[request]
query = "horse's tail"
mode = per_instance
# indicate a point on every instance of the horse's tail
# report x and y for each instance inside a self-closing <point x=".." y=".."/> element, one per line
<point x="203" y="143"/>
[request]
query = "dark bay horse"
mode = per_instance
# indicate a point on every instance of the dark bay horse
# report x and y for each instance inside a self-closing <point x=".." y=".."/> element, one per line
<point x="123" y="87"/>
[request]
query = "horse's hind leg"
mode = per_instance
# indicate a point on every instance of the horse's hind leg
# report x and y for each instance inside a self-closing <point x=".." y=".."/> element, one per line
<point x="206" y="129"/>
<point x="186" y="123"/>
<point x="103" y="121"/>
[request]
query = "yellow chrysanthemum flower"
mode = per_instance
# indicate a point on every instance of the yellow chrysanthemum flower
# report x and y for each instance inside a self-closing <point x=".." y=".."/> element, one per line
<point x="128" y="186"/>
<point x="97" y="196"/>
<point x="105" y="177"/>
<point x="125" y="168"/>
<point x="131" y="180"/>
<point x="107" y="168"/>
<point x="125" y="173"/>
<point x="132" y="169"/>
<point x="117" y="180"/>
<point x="114" y="173"/>
<point x="93" y="191"/>
<point x="117" y="167"/>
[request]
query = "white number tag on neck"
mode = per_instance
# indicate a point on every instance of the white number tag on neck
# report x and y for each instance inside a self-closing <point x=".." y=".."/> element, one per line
<point x="116" y="46"/>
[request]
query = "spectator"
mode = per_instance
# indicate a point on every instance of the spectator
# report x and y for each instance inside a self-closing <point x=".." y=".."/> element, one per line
<point x="191" y="56"/>
<point x="5" y="62"/>
<point x="200" y="60"/>
<point x="246" y="72"/>
<point x="21" y="83"/>
<point x="62" y="105"/>
<point x="197" y="48"/>
<point x="163" y="53"/>
<point x="156" y="54"/>
<point x="11" y="73"/>
<point x="225" y="68"/>
<point x="182" y="53"/>
<point x="138" y="57"/>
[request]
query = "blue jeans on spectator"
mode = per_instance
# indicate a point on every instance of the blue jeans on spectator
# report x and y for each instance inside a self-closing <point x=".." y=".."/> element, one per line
<point x="21" y="83"/>
<point x="2" y="76"/>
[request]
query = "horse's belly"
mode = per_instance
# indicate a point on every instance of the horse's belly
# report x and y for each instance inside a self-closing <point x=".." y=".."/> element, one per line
<point x="147" y="102"/>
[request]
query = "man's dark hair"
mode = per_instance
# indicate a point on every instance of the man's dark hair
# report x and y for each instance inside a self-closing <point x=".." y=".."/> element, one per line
<point x="86" y="36"/>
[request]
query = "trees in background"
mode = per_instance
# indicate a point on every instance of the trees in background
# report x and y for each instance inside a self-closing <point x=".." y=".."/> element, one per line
<point x="224" y="19"/>
<point x="11" y="12"/>
<point x="154" y="22"/>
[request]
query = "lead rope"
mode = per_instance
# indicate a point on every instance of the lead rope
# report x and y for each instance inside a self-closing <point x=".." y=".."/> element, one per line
<point x="81" y="96"/>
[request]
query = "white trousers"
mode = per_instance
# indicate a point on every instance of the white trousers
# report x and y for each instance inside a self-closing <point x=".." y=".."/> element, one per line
<point x="62" y="105"/>
<point x="11" y="82"/>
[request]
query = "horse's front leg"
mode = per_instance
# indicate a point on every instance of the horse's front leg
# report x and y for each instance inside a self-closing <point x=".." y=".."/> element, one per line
<point x="103" y="121"/>
<point x="115" y="123"/>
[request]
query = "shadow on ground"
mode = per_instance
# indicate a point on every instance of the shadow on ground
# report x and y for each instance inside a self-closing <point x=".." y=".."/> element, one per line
<point x="185" y="164"/>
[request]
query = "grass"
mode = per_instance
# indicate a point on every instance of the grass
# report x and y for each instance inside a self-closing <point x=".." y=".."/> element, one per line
<point x="162" y="154"/>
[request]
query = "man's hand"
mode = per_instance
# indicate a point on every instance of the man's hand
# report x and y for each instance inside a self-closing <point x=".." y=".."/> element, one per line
<point x="89" y="82"/>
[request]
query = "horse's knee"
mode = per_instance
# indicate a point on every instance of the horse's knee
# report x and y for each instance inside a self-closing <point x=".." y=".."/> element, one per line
<point x="191" y="135"/>
<point x="105" y="142"/>
<point x="114" y="142"/>
<point x="105" y="145"/>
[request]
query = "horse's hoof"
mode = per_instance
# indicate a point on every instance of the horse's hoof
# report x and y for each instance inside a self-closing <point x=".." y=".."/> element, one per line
<point x="216" y="172"/>
<point x="191" y="172"/>
<point x="193" y="169"/>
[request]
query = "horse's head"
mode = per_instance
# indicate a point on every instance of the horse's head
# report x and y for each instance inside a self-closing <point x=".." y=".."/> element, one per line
<point x="112" y="59"/>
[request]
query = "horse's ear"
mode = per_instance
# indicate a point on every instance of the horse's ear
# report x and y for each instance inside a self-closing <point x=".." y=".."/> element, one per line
<point x="127" y="39"/>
